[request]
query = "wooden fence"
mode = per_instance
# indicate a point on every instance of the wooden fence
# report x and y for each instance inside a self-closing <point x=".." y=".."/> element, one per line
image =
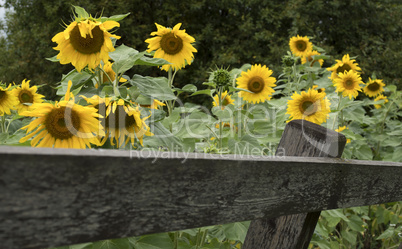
<point x="56" y="197"/>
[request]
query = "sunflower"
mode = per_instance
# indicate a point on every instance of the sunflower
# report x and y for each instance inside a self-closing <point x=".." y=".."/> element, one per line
<point x="225" y="98"/>
<point x="8" y="101"/>
<point x="308" y="57"/>
<point x="348" y="84"/>
<point x="173" y="45"/>
<point x="311" y="106"/>
<point x="300" y="46"/>
<point x="63" y="124"/>
<point x="374" y="87"/>
<point x="343" y="66"/>
<point x="120" y="120"/>
<point x="378" y="98"/>
<point x="27" y="96"/>
<point x="257" y="80"/>
<point x="85" y="43"/>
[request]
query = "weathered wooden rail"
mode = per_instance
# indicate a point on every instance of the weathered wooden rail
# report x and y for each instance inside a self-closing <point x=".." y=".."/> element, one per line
<point x="55" y="197"/>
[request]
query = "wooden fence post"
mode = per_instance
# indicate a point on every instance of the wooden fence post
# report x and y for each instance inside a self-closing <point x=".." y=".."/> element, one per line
<point x="303" y="139"/>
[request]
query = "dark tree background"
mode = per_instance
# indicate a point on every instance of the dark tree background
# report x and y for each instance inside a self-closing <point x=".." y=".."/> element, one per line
<point x="228" y="33"/>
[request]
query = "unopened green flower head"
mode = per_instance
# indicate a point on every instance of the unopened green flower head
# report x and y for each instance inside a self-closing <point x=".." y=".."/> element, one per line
<point x="289" y="60"/>
<point x="221" y="77"/>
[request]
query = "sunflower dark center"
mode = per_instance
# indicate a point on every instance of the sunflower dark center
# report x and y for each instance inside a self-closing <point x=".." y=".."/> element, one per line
<point x="2" y="94"/>
<point x="119" y="119"/>
<point x="349" y="84"/>
<point x="301" y="45"/>
<point x="87" y="44"/>
<point x="225" y="102"/>
<point x="308" y="108"/>
<point x="344" y="68"/>
<point x="62" y="123"/>
<point x="171" y="44"/>
<point x="373" y="87"/>
<point x="26" y="97"/>
<point x="256" y="84"/>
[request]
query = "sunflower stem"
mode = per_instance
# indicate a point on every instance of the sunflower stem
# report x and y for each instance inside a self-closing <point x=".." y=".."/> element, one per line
<point x="339" y="112"/>
<point x="170" y="103"/>
<point x="3" y="124"/>
<point x="310" y="78"/>
<point x="220" y="120"/>
<point x="204" y="235"/>
<point x="377" y="151"/>
<point x="176" y="240"/>
<point x="170" y="83"/>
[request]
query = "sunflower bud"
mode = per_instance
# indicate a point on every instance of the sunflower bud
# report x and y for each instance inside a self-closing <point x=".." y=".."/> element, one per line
<point x="221" y="77"/>
<point x="288" y="60"/>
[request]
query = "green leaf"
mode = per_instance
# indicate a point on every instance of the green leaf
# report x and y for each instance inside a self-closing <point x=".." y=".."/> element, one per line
<point x="237" y="71"/>
<point x="3" y="137"/>
<point x="356" y="223"/>
<point x="392" y="141"/>
<point x="82" y="246"/>
<point x="189" y="88"/>
<point x="387" y="233"/>
<point x="355" y="114"/>
<point x="157" y="115"/>
<point x="154" y="241"/>
<point x="113" y="244"/>
<point x="322" y="230"/>
<point x="172" y="118"/>
<point x="123" y="91"/>
<point x="397" y="155"/>
<point x="395" y="133"/>
<point x="77" y="78"/>
<point x="391" y="88"/>
<point x="162" y="137"/>
<point x="153" y="87"/>
<point x="335" y="213"/>
<point x="124" y="58"/>
<point x="247" y="145"/>
<point x="143" y="100"/>
<point x="208" y="92"/>
<point x="147" y="61"/>
<point x="350" y="236"/>
<point x="12" y="139"/>
<point x="107" y="90"/>
<point x="333" y="221"/>
<point x="363" y="152"/>
<point x="209" y="84"/>
<point x="241" y="89"/>
<point x="114" y="18"/>
<point x="81" y="12"/>
<point x="223" y="115"/>
<point x="236" y="231"/>
<point x="278" y="103"/>
<point x="53" y="59"/>
<point x="194" y="126"/>
<point x="323" y="244"/>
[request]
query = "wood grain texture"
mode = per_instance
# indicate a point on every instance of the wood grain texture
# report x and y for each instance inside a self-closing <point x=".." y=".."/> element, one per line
<point x="300" y="138"/>
<point x="55" y="197"/>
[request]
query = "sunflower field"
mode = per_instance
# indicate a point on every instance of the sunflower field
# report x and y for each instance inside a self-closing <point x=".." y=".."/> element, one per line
<point x="102" y="104"/>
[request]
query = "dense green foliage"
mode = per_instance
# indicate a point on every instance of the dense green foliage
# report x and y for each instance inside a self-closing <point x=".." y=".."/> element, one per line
<point x="228" y="33"/>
